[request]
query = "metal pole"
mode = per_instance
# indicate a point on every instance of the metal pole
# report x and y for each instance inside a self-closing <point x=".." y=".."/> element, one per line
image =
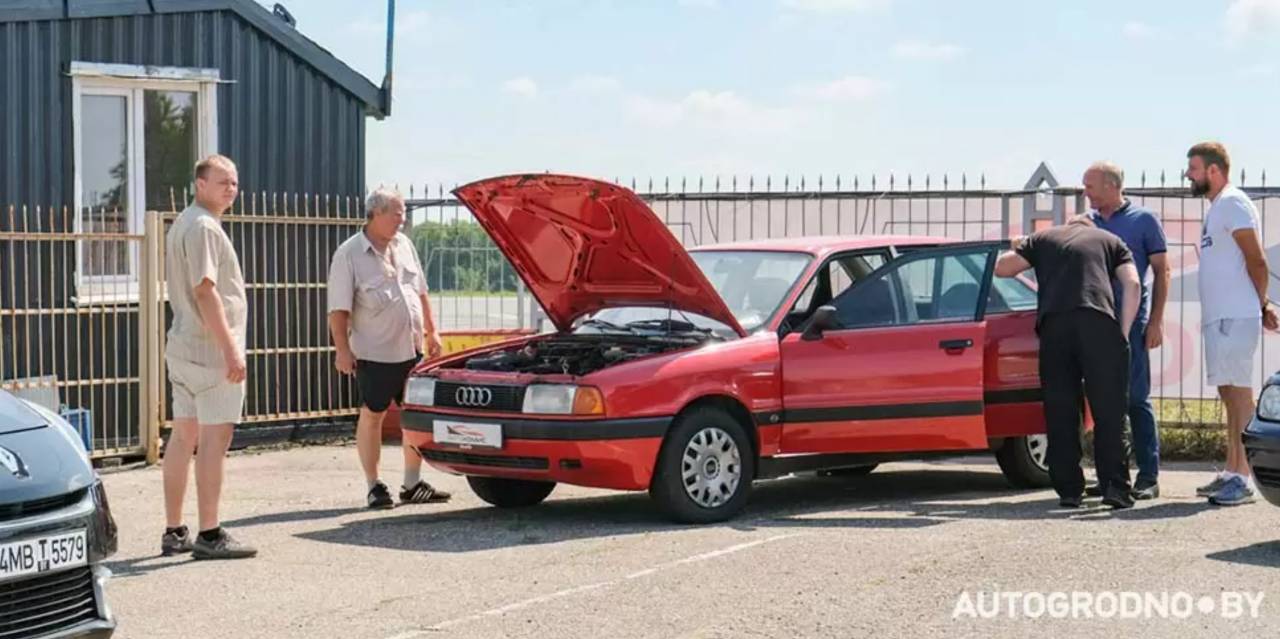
<point x="150" y="325"/>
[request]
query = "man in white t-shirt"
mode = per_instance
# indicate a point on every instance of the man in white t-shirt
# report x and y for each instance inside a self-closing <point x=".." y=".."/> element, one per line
<point x="1233" y="307"/>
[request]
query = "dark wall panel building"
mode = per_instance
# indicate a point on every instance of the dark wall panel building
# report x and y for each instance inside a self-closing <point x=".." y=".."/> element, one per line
<point x="289" y="126"/>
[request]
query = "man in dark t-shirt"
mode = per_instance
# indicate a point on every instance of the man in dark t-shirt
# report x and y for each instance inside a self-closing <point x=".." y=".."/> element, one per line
<point x="1083" y="337"/>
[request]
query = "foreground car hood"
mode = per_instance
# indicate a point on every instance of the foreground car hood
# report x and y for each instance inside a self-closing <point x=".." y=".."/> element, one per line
<point x="42" y="460"/>
<point x="582" y="245"/>
<point x="15" y="415"/>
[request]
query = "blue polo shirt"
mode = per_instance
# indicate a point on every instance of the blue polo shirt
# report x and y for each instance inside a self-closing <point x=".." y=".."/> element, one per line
<point x="1144" y="236"/>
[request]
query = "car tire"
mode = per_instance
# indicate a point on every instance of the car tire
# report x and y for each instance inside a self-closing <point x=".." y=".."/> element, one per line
<point x="849" y="471"/>
<point x="1024" y="462"/>
<point x="705" y="468"/>
<point x="510" y="493"/>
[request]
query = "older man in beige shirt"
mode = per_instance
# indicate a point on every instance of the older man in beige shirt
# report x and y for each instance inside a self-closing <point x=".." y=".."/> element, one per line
<point x="378" y="316"/>
<point x="204" y="354"/>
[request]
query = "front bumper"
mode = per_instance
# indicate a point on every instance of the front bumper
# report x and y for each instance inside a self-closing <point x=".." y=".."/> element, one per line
<point x="607" y="453"/>
<point x="93" y="514"/>
<point x="1262" y="446"/>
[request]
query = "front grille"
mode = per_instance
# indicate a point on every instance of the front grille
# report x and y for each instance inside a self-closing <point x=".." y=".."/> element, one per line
<point x="454" y="457"/>
<point x="37" y="506"/>
<point x="505" y="398"/>
<point x="1268" y="476"/>
<point x="47" y="604"/>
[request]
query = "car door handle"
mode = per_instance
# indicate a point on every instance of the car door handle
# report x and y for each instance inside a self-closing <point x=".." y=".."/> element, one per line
<point x="955" y="344"/>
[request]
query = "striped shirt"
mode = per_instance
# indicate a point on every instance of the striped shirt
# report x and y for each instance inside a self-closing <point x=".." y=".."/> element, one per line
<point x="197" y="249"/>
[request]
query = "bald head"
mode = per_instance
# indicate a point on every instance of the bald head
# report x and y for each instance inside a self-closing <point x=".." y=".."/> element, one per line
<point x="1104" y="186"/>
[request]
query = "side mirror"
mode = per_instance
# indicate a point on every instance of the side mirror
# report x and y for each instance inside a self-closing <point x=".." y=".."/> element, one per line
<point x="824" y="319"/>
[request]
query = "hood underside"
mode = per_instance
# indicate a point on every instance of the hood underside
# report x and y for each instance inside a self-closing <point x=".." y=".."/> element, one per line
<point x="582" y="245"/>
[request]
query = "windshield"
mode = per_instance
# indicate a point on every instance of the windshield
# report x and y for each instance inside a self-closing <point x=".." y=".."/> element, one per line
<point x="752" y="284"/>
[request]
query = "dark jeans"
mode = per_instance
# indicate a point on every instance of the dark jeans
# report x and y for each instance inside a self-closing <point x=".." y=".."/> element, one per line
<point x="1084" y="352"/>
<point x="1142" y="417"/>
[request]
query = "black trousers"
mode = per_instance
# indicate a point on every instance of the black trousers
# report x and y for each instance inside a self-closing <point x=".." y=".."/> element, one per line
<point x="1083" y="352"/>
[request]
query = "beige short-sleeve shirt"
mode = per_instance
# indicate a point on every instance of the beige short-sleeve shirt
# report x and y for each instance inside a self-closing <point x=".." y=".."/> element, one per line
<point x="196" y="249"/>
<point x="381" y="292"/>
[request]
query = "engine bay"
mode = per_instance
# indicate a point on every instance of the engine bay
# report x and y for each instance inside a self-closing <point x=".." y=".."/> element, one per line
<point x="574" y="354"/>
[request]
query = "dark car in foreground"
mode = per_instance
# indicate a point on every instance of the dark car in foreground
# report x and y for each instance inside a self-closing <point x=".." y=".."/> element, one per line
<point x="56" y="529"/>
<point x="1262" y="441"/>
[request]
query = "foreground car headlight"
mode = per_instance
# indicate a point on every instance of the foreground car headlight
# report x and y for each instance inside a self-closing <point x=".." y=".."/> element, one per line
<point x="563" y="399"/>
<point x="420" y="391"/>
<point x="1269" y="404"/>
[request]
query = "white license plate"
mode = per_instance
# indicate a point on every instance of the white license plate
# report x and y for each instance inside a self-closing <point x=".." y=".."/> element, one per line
<point x="43" y="554"/>
<point x="467" y="434"/>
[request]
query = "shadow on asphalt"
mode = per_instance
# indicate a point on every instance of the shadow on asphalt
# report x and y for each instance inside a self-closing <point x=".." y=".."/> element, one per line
<point x="1265" y="554"/>
<point x="882" y="500"/>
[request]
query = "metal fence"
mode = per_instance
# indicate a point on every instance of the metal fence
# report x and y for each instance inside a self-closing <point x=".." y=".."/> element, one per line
<point x="714" y="211"/>
<point x="69" y="337"/>
<point x="82" y="312"/>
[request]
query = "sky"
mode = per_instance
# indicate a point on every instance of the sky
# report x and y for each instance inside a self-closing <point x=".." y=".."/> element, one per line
<point x="686" y="88"/>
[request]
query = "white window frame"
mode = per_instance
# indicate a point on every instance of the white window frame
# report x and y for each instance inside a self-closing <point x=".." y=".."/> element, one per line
<point x="130" y="82"/>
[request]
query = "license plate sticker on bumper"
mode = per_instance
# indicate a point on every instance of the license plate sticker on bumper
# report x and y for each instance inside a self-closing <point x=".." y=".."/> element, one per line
<point x="467" y="434"/>
<point x="40" y="555"/>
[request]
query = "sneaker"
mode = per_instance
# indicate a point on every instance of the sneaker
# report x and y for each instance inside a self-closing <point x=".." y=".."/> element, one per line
<point x="1145" y="490"/>
<point x="423" y="493"/>
<point x="1212" y="487"/>
<point x="1070" y="502"/>
<point x="1117" y="498"/>
<point x="224" y="547"/>
<point x="175" y="543"/>
<point x="380" y="497"/>
<point x="1235" y="492"/>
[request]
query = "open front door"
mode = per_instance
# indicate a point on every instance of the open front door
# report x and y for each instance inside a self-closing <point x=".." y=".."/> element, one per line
<point x="898" y="366"/>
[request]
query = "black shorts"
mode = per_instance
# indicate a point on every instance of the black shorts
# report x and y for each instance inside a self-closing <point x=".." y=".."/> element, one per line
<point x="379" y="382"/>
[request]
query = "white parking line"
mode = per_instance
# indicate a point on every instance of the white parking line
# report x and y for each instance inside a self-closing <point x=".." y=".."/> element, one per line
<point x="497" y="612"/>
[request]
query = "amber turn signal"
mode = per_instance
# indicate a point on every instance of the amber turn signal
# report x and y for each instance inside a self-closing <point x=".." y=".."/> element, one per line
<point x="588" y="401"/>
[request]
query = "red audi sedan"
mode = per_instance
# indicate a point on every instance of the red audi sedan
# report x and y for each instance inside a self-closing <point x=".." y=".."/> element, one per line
<point x="693" y="373"/>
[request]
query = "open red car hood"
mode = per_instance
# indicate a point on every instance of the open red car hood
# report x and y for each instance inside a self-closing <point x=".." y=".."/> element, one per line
<point x="582" y="245"/>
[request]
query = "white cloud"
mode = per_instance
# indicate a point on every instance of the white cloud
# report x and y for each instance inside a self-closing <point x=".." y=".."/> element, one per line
<point x="595" y="84"/>
<point x="922" y="50"/>
<point x="522" y="86"/>
<point x="1139" y="30"/>
<point x="718" y="110"/>
<point x="1252" y="17"/>
<point x="833" y="6"/>
<point x="851" y="88"/>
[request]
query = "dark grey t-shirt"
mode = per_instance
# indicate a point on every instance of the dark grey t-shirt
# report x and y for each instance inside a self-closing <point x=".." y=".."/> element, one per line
<point x="1075" y="265"/>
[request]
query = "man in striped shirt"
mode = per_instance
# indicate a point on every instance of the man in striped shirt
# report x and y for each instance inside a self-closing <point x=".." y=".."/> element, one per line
<point x="204" y="354"/>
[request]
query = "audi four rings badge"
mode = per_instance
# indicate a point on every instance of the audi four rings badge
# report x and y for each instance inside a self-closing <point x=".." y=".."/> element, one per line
<point x="473" y="396"/>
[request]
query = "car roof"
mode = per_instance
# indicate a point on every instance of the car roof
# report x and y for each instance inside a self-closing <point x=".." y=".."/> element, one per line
<point x="826" y="244"/>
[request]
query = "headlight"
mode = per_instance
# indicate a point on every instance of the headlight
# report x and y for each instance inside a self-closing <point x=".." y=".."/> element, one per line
<point x="563" y="399"/>
<point x="420" y="391"/>
<point x="1269" y="404"/>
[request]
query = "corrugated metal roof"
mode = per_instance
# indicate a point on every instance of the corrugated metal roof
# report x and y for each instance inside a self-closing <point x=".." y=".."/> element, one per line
<point x="253" y="13"/>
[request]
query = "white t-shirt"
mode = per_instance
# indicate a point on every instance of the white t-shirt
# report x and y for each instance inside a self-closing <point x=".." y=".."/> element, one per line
<point x="1226" y="292"/>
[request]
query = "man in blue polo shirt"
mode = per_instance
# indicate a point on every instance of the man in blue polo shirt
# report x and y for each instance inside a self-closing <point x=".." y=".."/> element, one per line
<point x="1142" y="233"/>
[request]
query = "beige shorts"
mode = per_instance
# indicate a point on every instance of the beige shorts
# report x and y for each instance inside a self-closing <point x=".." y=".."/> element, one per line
<point x="204" y="393"/>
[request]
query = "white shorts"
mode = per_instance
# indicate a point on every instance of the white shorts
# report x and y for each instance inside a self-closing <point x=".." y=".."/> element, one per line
<point x="1230" y="348"/>
<point x="204" y="393"/>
